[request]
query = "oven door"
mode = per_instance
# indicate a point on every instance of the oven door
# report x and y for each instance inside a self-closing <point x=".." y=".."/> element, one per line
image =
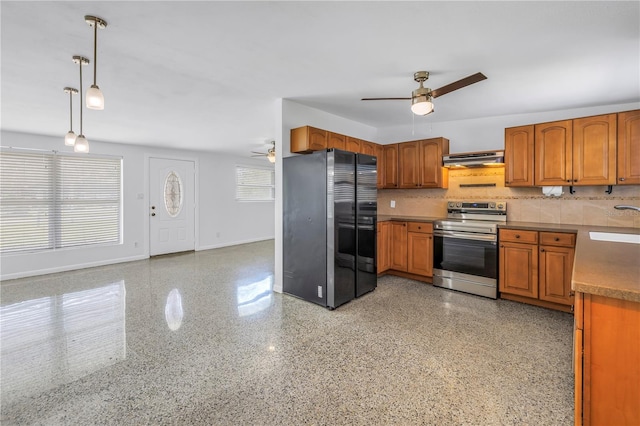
<point x="471" y="254"/>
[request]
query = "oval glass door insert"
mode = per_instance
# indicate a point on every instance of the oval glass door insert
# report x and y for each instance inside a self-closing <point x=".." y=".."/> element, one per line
<point x="173" y="194"/>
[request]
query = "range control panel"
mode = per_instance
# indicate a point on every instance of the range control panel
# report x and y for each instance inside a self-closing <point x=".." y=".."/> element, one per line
<point x="486" y="206"/>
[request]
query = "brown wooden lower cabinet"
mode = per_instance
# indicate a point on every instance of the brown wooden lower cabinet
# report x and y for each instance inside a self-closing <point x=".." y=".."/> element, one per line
<point x="606" y="361"/>
<point x="420" y="248"/>
<point x="406" y="249"/>
<point x="535" y="267"/>
<point x="384" y="247"/>
<point x="398" y="246"/>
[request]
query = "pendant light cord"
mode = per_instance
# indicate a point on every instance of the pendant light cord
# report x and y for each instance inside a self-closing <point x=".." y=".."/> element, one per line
<point x="80" y="62"/>
<point x="95" y="50"/>
<point x="70" y="110"/>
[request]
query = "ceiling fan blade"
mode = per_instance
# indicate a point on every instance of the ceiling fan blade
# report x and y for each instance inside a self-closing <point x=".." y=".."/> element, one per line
<point x="385" y="99"/>
<point x="458" y="84"/>
<point x="259" y="155"/>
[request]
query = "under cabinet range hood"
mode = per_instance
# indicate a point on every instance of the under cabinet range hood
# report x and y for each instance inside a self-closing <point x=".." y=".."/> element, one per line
<point x="474" y="159"/>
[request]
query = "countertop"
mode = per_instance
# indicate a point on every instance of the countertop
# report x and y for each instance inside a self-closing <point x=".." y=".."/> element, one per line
<point x="600" y="267"/>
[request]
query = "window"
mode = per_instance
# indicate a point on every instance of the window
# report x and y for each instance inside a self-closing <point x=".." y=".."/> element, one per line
<point x="255" y="184"/>
<point x="51" y="200"/>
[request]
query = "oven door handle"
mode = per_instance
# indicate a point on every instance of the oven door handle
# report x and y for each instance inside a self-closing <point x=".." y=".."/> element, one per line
<point x="465" y="235"/>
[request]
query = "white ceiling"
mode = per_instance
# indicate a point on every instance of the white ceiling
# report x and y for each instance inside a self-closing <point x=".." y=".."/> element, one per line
<point x="206" y="75"/>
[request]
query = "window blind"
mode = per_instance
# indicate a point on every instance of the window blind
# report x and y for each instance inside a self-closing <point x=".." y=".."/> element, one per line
<point x="255" y="184"/>
<point x="51" y="200"/>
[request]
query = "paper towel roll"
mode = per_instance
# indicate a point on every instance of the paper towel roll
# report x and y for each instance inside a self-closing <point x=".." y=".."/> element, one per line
<point x="552" y="191"/>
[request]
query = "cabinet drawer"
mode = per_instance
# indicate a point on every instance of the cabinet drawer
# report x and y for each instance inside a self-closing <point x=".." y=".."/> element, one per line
<point x="422" y="227"/>
<point x="519" y="236"/>
<point x="563" y="239"/>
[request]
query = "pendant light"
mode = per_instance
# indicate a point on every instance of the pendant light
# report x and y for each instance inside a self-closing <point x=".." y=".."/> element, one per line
<point x="95" y="98"/>
<point x="70" y="137"/>
<point x="82" y="144"/>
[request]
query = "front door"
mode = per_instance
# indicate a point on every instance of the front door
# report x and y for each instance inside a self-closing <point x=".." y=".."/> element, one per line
<point x="171" y="206"/>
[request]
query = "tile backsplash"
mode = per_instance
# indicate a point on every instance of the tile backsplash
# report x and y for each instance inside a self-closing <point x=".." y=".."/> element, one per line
<point x="589" y="205"/>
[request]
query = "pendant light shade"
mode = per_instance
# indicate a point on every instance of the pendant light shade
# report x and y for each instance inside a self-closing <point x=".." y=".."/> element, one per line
<point x="70" y="137"/>
<point x="81" y="143"/>
<point x="95" y="98"/>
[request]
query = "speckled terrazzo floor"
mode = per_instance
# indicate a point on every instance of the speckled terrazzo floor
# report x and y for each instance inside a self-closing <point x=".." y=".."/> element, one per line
<point x="199" y="338"/>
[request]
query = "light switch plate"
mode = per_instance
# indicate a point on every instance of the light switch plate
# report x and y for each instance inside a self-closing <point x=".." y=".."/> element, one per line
<point x="393" y="204"/>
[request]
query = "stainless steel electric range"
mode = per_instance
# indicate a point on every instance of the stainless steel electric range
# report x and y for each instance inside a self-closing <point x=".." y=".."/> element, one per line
<point x="465" y="250"/>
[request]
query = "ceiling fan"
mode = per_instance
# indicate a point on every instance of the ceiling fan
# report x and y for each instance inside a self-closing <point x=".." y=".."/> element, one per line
<point x="422" y="98"/>
<point x="270" y="154"/>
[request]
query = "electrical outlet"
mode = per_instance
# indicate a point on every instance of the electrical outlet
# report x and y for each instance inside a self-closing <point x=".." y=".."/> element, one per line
<point x="393" y="204"/>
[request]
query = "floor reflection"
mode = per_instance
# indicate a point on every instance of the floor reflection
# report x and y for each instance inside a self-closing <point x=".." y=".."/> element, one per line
<point x="173" y="311"/>
<point x="255" y="296"/>
<point x="49" y="341"/>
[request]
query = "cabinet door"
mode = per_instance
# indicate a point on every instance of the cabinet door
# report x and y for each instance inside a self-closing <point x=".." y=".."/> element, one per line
<point x="420" y="253"/>
<point x="399" y="246"/>
<point x="553" y="153"/>
<point x="368" y="148"/>
<point x="306" y="139"/>
<point x="519" y="269"/>
<point x="409" y="164"/>
<point x="390" y="165"/>
<point x="380" y="166"/>
<point x="629" y="148"/>
<point x="431" y="163"/>
<point x="352" y="144"/>
<point x="594" y="150"/>
<point x="518" y="156"/>
<point x="384" y="246"/>
<point x="556" y="266"/>
<point x="336" y="140"/>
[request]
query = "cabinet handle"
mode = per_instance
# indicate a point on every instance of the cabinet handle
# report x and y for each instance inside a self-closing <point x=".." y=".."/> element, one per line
<point x="621" y="179"/>
<point x="569" y="180"/>
<point x="419" y="227"/>
<point x="575" y="180"/>
<point x="542" y="250"/>
<point x="517" y="235"/>
<point x="557" y="239"/>
<point x="501" y="245"/>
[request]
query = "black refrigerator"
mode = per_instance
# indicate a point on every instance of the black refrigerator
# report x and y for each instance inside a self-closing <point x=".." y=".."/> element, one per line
<point x="330" y="216"/>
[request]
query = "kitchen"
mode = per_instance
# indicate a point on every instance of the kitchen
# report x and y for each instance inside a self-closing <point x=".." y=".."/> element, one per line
<point x="597" y="267"/>
<point x="391" y="334"/>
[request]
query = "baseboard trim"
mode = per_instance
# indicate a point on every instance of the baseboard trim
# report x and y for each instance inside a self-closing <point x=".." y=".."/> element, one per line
<point x="232" y="243"/>
<point x="67" y="268"/>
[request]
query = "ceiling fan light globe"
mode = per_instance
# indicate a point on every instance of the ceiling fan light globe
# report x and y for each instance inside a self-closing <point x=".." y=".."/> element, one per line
<point x="271" y="158"/>
<point x="81" y="145"/>
<point x="421" y="106"/>
<point x="95" y="98"/>
<point x="70" y="138"/>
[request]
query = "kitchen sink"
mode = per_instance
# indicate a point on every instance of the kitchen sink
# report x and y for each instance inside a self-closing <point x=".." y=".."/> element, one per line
<point x="615" y="237"/>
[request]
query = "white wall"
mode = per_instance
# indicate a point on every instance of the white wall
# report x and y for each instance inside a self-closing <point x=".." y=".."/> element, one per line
<point x="484" y="134"/>
<point x="217" y="211"/>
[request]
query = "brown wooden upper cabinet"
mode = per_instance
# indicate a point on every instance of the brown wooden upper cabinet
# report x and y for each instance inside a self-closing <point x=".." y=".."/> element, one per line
<point x="389" y="169"/>
<point x="629" y="148"/>
<point x="353" y="144"/>
<point x="420" y="163"/>
<point x="307" y="139"/>
<point x="368" y="148"/>
<point x="518" y="153"/>
<point x="576" y="152"/>
<point x="336" y="140"/>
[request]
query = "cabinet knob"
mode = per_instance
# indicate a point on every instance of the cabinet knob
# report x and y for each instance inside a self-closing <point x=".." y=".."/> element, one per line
<point x="575" y="180"/>
<point x="502" y="245"/>
<point x="542" y="250"/>
<point x="517" y="235"/>
<point x="621" y="179"/>
<point x="569" y="180"/>
<point x="557" y="239"/>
